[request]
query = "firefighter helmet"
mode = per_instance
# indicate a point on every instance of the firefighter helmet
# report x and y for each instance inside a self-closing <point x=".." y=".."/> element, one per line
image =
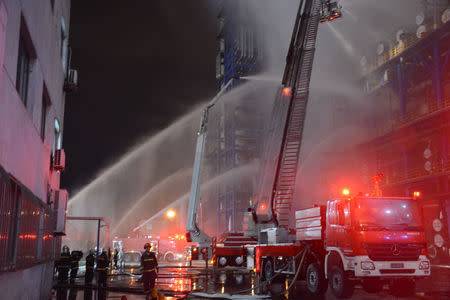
<point x="147" y="245"/>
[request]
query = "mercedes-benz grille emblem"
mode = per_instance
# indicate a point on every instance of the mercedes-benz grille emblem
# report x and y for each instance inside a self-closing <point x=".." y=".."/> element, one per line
<point x="395" y="250"/>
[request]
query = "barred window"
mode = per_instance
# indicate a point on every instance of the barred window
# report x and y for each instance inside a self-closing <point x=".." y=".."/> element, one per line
<point x="26" y="226"/>
<point x="28" y="233"/>
<point x="9" y="210"/>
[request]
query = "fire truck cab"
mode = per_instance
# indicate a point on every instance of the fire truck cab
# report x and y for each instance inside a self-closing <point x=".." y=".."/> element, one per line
<point x="367" y="239"/>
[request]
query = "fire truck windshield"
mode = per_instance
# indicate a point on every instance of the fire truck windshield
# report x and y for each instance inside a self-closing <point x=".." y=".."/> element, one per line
<point x="388" y="214"/>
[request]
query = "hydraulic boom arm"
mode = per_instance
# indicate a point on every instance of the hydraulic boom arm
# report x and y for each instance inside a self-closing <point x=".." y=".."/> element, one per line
<point x="194" y="233"/>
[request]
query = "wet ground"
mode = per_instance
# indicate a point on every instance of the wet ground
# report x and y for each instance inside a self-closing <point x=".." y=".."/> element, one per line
<point x="179" y="281"/>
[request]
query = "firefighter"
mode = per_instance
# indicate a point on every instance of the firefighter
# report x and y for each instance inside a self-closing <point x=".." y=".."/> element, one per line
<point x="109" y="257"/>
<point x="102" y="268"/>
<point x="116" y="257"/>
<point x="75" y="257"/>
<point x="149" y="266"/>
<point x="90" y="260"/>
<point x="63" y="265"/>
<point x="121" y="259"/>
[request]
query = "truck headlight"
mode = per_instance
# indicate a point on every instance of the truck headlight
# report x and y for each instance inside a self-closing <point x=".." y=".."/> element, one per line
<point x="222" y="261"/>
<point x="367" y="265"/>
<point x="424" y="265"/>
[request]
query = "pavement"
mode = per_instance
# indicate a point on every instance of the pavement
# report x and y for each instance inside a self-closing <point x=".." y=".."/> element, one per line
<point x="178" y="281"/>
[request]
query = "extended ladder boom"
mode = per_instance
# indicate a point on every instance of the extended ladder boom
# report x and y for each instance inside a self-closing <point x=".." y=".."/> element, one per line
<point x="282" y="153"/>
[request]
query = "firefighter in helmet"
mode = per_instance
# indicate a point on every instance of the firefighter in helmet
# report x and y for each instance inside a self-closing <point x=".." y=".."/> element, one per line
<point x="90" y="261"/>
<point x="102" y="268"/>
<point x="75" y="257"/>
<point x="149" y="266"/>
<point x="63" y="265"/>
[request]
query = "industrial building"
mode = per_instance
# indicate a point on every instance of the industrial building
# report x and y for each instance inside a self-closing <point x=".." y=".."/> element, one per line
<point x="35" y="76"/>
<point x="409" y="134"/>
<point x="235" y="132"/>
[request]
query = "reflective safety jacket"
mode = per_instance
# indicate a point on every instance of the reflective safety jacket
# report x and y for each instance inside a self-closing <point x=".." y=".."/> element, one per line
<point x="149" y="262"/>
<point x="102" y="262"/>
<point x="90" y="260"/>
<point x="64" y="262"/>
<point x="75" y="258"/>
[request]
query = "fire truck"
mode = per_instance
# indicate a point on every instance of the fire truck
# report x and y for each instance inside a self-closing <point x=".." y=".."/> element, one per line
<point x="353" y="238"/>
<point x="365" y="239"/>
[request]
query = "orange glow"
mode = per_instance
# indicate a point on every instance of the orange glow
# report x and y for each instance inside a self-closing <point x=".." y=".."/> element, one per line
<point x="211" y="261"/>
<point x="416" y="194"/>
<point x="262" y="207"/>
<point x="287" y="91"/>
<point x="346" y="192"/>
<point x="170" y="214"/>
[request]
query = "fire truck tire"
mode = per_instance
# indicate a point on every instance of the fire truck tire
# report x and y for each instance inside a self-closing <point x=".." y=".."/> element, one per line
<point x="315" y="280"/>
<point x="268" y="270"/>
<point x="403" y="287"/>
<point x="341" y="286"/>
<point x="372" y="286"/>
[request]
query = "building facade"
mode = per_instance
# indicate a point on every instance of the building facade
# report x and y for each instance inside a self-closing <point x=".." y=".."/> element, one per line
<point x="34" y="68"/>
<point x="410" y="131"/>
<point x="235" y="128"/>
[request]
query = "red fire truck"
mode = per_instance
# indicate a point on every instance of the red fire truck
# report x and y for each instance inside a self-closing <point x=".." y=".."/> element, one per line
<point x="367" y="239"/>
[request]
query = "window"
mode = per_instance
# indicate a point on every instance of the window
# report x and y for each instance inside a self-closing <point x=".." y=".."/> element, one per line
<point x="23" y="70"/>
<point x="56" y="138"/>
<point x="25" y="59"/>
<point x="44" y="109"/>
<point x="340" y="213"/>
<point x="27" y="244"/>
<point x="9" y="216"/>
<point x="26" y="226"/>
<point x="332" y="219"/>
<point x="63" y="45"/>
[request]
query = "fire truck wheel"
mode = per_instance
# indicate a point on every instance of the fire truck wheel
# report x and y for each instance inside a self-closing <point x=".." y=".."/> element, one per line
<point x="372" y="286"/>
<point x="341" y="287"/>
<point x="403" y="287"/>
<point x="169" y="257"/>
<point x="315" y="280"/>
<point x="268" y="270"/>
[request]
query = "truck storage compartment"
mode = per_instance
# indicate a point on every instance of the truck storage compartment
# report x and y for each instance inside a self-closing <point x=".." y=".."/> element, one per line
<point x="310" y="223"/>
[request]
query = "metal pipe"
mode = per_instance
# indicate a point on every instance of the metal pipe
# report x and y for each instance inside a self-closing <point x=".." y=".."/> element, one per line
<point x="98" y="241"/>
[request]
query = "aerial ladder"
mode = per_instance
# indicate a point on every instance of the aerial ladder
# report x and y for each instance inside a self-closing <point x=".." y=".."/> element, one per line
<point x="273" y="199"/>
<point x="282" y="151"/>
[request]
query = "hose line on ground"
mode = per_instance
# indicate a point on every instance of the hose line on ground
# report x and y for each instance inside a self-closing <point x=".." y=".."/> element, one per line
<point x="267" y="281"/>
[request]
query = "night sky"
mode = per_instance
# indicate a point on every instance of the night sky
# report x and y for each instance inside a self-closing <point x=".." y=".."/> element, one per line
<point x="141" y="65"/>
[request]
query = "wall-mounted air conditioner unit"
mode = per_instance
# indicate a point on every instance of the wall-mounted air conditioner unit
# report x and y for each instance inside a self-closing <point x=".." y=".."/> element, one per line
<point x="61" y="198"/>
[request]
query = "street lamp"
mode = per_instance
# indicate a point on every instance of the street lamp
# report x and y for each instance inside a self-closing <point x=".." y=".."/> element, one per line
<point x="170" y="214"/>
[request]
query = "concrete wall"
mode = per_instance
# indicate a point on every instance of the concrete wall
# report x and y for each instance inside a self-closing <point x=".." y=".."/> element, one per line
<point x="23" y="153"/>
<point x="29" y="284"/>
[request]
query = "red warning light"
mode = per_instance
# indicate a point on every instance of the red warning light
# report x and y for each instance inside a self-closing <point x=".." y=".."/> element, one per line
<point x="286" y="91"/>
<point x="262" y="207"/>
<point x="416" y="194"/>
